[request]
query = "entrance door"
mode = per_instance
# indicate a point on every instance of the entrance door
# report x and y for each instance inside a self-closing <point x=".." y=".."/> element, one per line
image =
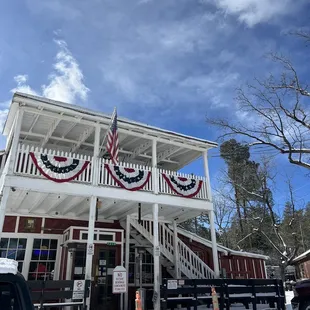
<point x="104" y="262"/>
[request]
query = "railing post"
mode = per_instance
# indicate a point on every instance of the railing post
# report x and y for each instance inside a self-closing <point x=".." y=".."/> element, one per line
<point x="176" y="250"/>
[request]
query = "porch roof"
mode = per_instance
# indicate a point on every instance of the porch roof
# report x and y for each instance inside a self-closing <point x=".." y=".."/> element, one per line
<point x="60" y="126"/>
<point x="33" y="203"/>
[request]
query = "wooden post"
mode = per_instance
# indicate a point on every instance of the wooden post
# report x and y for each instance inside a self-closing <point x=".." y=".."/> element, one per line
<point x="127" y="256"/>
<point x="176" y="251"/>
<point x="11" y="165"/>
<point x="211" y="217"/>
<point x="156" y="247"/>
<point x="92" y="214"/>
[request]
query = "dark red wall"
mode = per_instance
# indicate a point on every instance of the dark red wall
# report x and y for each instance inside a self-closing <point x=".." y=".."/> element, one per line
<point x="232" y="271"/>
<point x="9" y="224"/>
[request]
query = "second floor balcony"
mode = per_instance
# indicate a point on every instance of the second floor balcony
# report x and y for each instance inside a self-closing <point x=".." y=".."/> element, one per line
<point x="61" y="166"/>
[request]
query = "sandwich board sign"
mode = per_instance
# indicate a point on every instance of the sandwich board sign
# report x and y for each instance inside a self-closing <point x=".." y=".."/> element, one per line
<point x="119" y="280"/>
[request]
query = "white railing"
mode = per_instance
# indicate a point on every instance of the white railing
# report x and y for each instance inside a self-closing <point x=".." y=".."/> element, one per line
<point x="25" y="165"/>
<point x="165" y="189"/>
<point x="190" y="264"/>
<point x="106" y="179"/>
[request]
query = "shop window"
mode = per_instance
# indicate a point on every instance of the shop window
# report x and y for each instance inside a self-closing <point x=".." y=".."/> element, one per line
<point x="14" y="248"/>
<point x="43" y="259"/>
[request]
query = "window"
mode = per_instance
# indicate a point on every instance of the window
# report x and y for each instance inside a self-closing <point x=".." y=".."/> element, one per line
<point x="43" y="259"/>
<point x="134" y="267"/>
<point x="14" y="248"/>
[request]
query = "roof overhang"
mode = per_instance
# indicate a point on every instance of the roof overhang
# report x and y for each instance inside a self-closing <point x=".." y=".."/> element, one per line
<point x="301" y="258"/>
<point x="49" y="123"/>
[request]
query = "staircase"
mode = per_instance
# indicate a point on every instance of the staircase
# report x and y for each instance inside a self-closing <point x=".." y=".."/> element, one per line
<point x="190" y="265"/>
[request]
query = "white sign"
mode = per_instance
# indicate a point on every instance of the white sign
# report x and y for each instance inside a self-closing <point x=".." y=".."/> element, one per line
<point x="119" y="280"/>
<point x="157" y="250"/>
<point x="172" y="284"/>
<point x="78" y="289"/>
<point x="90" y="249"/>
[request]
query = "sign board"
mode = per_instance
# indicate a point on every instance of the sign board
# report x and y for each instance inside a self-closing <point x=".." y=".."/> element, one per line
<point x="90" y="249"/>
<point x="119" y="280"/>
<point x="181" y="282"/>
<point x="78" y="289"/>
<point x="172" y="284"/>
<point x="157" y="250"/>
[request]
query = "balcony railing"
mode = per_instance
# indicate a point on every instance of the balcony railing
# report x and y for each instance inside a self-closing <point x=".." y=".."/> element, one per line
<point x="26" y="166"/>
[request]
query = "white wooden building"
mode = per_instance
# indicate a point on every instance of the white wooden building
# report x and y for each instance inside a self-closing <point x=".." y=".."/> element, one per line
<point x="57" y="185"/>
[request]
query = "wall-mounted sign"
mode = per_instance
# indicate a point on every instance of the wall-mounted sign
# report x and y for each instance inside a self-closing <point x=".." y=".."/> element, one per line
<point x="90" y="249"/>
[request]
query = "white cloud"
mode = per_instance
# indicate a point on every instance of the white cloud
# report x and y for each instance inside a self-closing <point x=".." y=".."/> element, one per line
<point x="253" y="12"/>
<point x="66" y="81"/>
<point x="22" y="86"/>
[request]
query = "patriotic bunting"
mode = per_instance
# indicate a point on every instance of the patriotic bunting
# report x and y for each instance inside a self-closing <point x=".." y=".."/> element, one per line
<point x="184" y="187"/>
<point x="129" y="178"/>
<point x="58" y="169"/>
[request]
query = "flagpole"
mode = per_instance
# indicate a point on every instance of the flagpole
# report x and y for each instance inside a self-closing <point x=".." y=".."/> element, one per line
<point x="106" y="133"/>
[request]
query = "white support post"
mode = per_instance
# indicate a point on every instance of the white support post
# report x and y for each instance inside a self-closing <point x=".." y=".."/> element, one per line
<point x="156" y="254"/>
<point x="92" y="214"/>
<point x="156" y="249"/>
<point x="176" y="250"/>
<point x="211" y="217"/>
<point x="14" y="146"/>
<point x="154" y="167"/>
<point x="214" y="244"/>
<point x="3" y="203"/>
<point x="127" y="256"/>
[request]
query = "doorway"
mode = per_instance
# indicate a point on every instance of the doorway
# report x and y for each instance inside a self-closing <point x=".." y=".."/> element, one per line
<point x="104" y="261"/>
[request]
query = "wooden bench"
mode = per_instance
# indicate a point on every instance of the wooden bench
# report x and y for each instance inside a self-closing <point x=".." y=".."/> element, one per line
<point x="194" y="292"/>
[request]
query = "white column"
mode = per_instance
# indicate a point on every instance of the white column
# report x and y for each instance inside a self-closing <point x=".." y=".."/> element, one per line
<point x="3" y="203"/>
<point x="14" y="146"/>
<point x="90" y="237"/>
<point x="156" y="257"/>
<point x="127" y="256"/>
<point x="211" y="216"/>
<point x="92" y="211"/>
<point x="156" y="248"/>
<point x="176" y="250"/>
<point x="214" y="244"/>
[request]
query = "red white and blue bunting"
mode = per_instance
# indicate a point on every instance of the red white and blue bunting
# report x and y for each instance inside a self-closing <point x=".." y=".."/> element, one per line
<point x="129" y="178"/>
<point x="57" y="168"/>
<point x="184" y="187"/>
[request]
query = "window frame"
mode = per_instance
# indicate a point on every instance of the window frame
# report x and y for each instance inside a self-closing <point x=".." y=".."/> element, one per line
<point x="28" y="253"/>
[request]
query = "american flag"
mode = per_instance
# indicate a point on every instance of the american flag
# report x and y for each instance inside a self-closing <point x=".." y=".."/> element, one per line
<point x="112" y="143"/>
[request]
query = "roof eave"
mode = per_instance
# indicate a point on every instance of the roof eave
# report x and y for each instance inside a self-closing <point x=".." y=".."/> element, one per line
<point x="17" y="97"/>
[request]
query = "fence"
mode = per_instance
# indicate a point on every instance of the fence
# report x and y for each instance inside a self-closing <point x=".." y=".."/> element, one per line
<point x="58" y="294"/>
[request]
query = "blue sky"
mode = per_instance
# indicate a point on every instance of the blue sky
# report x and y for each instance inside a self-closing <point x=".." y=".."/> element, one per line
<point x="168" y="63"/>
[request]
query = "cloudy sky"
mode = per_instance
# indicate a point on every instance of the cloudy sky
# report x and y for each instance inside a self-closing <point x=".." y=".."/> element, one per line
<point x="168" y="63"/>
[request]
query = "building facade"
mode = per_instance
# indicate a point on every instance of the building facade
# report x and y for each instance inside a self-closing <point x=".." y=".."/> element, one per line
<point x="67" y="211"/>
